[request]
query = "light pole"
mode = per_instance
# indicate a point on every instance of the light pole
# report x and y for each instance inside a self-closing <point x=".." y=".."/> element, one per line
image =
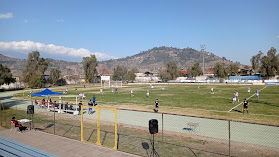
<point x="202" y="49"/>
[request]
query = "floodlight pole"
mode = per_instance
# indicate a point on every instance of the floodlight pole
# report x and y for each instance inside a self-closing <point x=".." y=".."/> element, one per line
<point x="202" y="51"/>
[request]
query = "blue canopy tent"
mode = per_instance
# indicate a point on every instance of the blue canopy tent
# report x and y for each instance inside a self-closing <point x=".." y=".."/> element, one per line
<point x="46" y="92"/>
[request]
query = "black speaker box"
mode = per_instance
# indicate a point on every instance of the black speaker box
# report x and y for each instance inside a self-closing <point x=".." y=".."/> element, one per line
<point x="153" y="126"/>
<point x="30" y="109"/>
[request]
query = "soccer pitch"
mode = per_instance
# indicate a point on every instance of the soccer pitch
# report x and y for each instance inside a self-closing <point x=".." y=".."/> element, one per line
<point x="188" y="99"/>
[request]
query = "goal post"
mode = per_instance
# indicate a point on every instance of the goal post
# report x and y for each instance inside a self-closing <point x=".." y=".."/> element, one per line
<point x="116" y="84"/>
<point x="106" y="80"/>
<point x="98" y="109"/>
<point x="112" y="84"/>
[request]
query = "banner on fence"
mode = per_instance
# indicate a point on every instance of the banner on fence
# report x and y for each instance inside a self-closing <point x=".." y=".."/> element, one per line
<point x="258" y="83"/>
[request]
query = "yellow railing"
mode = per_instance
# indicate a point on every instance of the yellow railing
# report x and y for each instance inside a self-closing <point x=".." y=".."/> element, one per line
<point x="98" y="109"/>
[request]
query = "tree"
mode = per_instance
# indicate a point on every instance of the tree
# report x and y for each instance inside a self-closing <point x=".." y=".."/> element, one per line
<point x="256" y="61"/>
<point x="55" y="75"/>
<point x="232" y="69"/>
<point x="219" y="70"/>
<point x="170" y="73"/>
<point x="131" y="74"/>
<point x="6" y="76"/>
<point x="35" y="66"/>
<point x="104" y="70"/>
<point x="89" y="67"/>
<point x="119" y="73"/>
<point x="267" y="65"/>
<point x="164" y="75"/>
<point x="195" y="70"/>
<point x="270" y="64"/>
<point x="36" y="81"/>
<point x="172" y="70"/>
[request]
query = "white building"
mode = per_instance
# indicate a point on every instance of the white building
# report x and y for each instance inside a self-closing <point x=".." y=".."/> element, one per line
<point x="147" y="77"/>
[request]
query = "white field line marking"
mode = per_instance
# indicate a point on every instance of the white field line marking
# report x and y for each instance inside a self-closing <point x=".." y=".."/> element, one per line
<point x="246" y="99"/>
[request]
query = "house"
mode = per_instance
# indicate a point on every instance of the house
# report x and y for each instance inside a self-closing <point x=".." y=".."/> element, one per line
<point x="147" y="77"/>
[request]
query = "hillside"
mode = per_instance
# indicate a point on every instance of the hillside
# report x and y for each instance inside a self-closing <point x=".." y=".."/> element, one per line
<point x="156" y="58"/>
<point x="17" y="65"/>
<point x="150" y="60"/>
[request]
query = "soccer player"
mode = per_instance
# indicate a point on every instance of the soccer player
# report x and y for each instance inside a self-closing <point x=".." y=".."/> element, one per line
<point x="234" y="98"/>
<point x="245" y="106"/>
<point x="248" y="90"/>
<point x="236" y="94"/>
<point x="132" y="94"/>
<point x="212" y="90"/>
<point x="101" y="91"/>
<point x="156" y="105"/>
<point x="147" y="93"/>
<point x="257" y="93"/>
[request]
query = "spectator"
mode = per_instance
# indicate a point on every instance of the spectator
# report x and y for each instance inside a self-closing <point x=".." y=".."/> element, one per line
<point x="66" y="106"/>
<point x="90" y="103"/>
<point x="71" y="107"/>
<point x="20" y="127"/>
<point x="94" y="100"/>
<point x="79" y="107"/>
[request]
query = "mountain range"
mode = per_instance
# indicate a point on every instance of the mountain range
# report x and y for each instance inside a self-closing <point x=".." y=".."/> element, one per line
<point x="151" y="60"/>
<point x="157" y="57"/>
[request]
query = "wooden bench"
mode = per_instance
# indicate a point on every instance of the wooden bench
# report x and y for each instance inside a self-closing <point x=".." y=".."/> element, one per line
<point x="56" y="110"/>
<point x="72" y="111"/>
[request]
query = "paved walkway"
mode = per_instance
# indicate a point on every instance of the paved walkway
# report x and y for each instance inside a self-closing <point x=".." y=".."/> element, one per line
<point x="36" y="143"/>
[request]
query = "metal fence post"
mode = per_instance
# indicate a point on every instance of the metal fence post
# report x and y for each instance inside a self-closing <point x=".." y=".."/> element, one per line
<point x="229" y="138"/>
<point x="1" y="112"/>
<point x="162" y="127"/>
<point x="54" y="120"/>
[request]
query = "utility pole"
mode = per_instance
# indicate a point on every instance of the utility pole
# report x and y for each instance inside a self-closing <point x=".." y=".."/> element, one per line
<point x="202" y="51"/>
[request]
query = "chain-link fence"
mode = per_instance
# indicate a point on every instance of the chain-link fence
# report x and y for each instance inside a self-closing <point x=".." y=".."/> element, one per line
<point x="178" y="135"/>
<point x="186" y="135"/>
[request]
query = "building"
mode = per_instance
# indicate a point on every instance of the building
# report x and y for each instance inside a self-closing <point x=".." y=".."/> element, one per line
<point x="147" y="77"/>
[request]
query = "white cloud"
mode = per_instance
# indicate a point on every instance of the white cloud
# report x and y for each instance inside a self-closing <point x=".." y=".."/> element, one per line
<point x="277" y="36"/>
<point x="60" y="20"/>
<point x="52" y="50"/>
<point x="6" y="16"/>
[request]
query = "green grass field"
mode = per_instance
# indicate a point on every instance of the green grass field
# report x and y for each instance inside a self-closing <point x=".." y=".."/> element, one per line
<point x="187" y="99"/>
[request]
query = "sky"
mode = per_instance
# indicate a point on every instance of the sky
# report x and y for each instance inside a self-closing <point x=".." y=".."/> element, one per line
<point x="69" y="30"/>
